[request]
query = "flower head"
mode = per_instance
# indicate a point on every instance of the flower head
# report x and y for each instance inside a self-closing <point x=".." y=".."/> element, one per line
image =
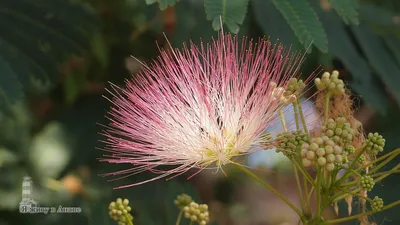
<point x="198" y="106"/>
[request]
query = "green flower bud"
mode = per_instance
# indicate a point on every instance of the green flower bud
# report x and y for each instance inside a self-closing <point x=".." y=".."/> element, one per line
<point x="339" y="159"/>
<point x="377" y="204"/>
<point x="294" y="88"/>
<point x="329" y="133"/>
<point x="361" y="159"/>
<point x="320" y="152"/>
<point x="374" y="144"/>
<point x="321" y="161"/>
<point x="328" y="149"/>
<point x="350" y="149"/>
<point x="183" y="201"/>
<point x="197" y="213"/>
<point x="330" y="167"/>
<point x="330" y="83"/>
<point x="119" y="211"/>
<point x="310" y="155"/>
<point x="290" y="143"/>
<point x="337" y="149"/>
<point x="367" y="182"/>
<point x="314" y="146"/>
<point x="306" y="162"/>
<point x="330" y="158"/>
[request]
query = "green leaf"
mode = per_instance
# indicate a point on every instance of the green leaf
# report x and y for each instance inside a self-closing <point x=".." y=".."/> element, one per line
<point x="379" y="58"/>
<point x="35" y="37"/>
<point x="273" y="24"/>
<point x="393" y="45"/>
<point x="341" y="46"/>
<point x="376" y="15"/>
<point x="380" y="19"/>
<point x="191" y="24"/>
<point x="304" y="21"/>
<point x="232" y="13"/>
<point x="347" y="9"/>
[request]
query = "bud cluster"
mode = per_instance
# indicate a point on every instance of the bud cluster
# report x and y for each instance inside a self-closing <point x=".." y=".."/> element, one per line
<point x="330" y="83"/>
<point x="294" y="87"/>
<point x="290" y="142"/>
<point x="367" y="182"/>
<point x="377" y="204"/>
<point x="361" y="159"/>
<point x="374" y="144"/>
<point x="322" y="150"/>
<point x="120" y="211"/>
<point x="339" y="130"/>
<point x="183" y="200"/>
<point x="279" y="94"/>
<point x="197" y="213"/>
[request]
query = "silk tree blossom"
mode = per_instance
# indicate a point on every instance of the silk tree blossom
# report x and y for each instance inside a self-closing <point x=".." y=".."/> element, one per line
<point x="199" y="106"/>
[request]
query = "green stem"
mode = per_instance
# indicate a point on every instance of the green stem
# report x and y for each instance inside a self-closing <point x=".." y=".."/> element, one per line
<point x="277" y="193"/>
<point x="327" y="99"/>
<point x="303" y="119"/>
<point x="353" y="163"/>
<point x="358" y="195"/>
<point x="384" y="172"/>
<point x="128" y="219"/>
<point x="318" y="191"/>
<point x="342" y="195"/>
<point x="178" y="220"/>
<point x="387" y="174"/>
<point x="296" y="115"/>
<point x="191" y="222"/>
<point x="341" y="220"/>
<point x="304" y="172"/>
<point x="354" y="192"/>
<point x="310" y="194"/>
<point x="308" y="209"/>
<point x="396" y="152"/>
<point x="383" y="163"/>
<point x="299" y="189"/>
<point x="283" y="120"/>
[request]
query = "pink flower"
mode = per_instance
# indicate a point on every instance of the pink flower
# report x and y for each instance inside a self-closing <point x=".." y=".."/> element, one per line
<point x="198" y="106"/>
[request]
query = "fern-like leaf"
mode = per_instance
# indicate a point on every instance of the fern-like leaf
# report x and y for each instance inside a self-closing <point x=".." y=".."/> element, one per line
<point x="232" y="13"/>
<point x="347" y="9"/>
<point x="341" y="46"/>
<point x="273" y="24"/>
<point x="304" y="22"/>
<point x="380" y="58"/>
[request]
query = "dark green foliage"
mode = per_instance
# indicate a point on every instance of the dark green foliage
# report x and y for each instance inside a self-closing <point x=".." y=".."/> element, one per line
<point x="347" y="9"/>
<point x="36" y="37"/>
<point x="231" y="12"/>
<point x="359" y="38"/>
<point x="304" y="22"/>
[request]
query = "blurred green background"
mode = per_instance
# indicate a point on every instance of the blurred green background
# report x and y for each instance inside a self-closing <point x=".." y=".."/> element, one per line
<point x="57" y="56"/>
